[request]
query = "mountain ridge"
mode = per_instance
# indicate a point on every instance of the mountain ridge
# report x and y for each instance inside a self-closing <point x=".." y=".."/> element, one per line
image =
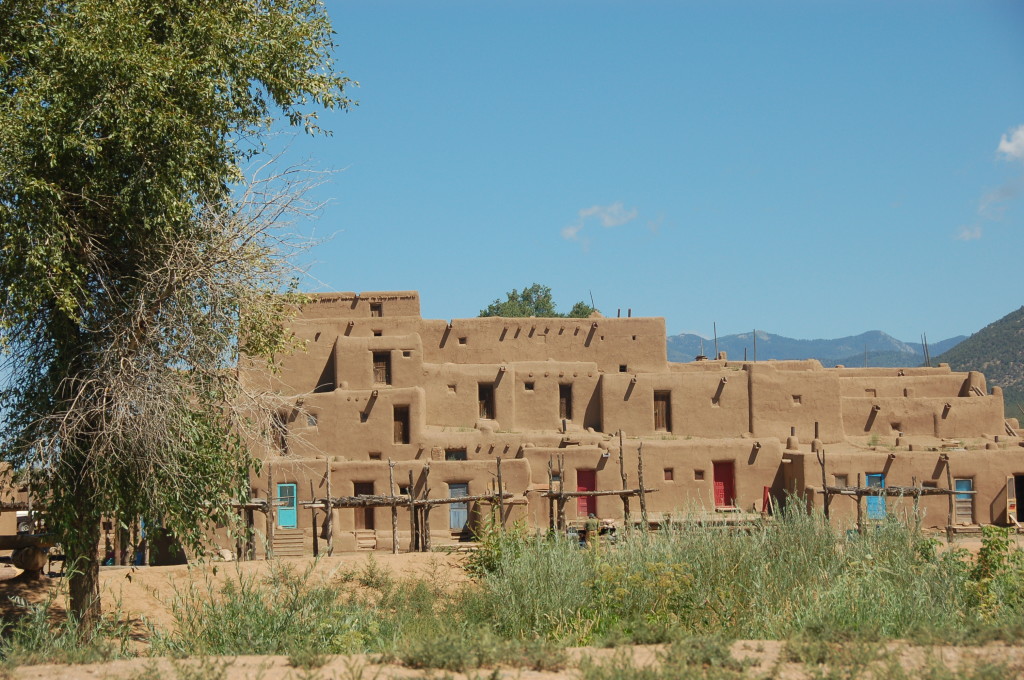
<point x="882" y="349"/>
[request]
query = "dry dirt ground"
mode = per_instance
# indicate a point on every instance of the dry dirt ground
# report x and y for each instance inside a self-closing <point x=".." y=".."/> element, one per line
<point x="144" y="595"/>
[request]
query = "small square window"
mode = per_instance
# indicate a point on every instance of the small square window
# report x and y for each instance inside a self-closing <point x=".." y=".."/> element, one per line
<point x="311" y="419"/>
<point x="698" y="475"/>
<point x="451" y="388"/>
<point x="374" y="455"/>
<point x="797" y="399"/>
<point x="670" y="474"/>
<point x="403" y="490"/>
<point x="376" y="309"/>
<point x="378" y="333"/>
<point x="528" y="386"/>
<point x="842" y="480"/>
<point x="930" y="485"/>
<point x="462" y="341"/>
<point x="455" y="454"/>
<point x="623" y="368"/>
<point x="406" y="353"/>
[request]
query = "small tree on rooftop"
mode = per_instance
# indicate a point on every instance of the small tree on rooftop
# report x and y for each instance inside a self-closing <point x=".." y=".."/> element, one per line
<point x="134" y="270"/>
<point x="535" y="300"/>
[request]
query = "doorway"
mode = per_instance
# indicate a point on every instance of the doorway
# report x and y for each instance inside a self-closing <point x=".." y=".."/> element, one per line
<point x="964" y="502"/>
<point x="458" y="514"/>
<point x="364" y="516"/>
<point x="565" y="402"/>
<point x="724" y="483"/>
<point x="586" y="480"/>
<point x="1014" y="492"/>
<point x="287" y="512"/>
<point x="876" y="504"/>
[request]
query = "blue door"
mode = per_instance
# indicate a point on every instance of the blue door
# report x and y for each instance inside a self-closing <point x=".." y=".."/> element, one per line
<point x="876" y="504"/>
<point x="459" y="513"/>
<point x="287" y="512"/>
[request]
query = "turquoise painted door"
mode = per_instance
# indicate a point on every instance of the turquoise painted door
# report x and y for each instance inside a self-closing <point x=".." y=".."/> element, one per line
<point x="459" y="512"/>
<point x="876" y="504"/>
<point x="287" y="512"/>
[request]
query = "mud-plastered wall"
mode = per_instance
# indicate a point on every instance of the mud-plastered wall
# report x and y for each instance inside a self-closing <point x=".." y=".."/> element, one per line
<point x="783" y="399"/>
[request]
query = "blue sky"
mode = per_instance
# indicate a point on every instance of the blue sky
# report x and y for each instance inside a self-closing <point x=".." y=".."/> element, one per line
<point x="813" y="169"/>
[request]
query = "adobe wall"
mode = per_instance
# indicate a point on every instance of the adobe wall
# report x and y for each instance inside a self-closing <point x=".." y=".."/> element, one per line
<point x="568" y="387"/>
<point x="782" y="399"/>
<point x="987" y="468"/>
<point x="309" y="478"/>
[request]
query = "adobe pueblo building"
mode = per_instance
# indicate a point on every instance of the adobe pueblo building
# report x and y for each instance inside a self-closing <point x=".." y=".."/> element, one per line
<point x="400" y="407"/>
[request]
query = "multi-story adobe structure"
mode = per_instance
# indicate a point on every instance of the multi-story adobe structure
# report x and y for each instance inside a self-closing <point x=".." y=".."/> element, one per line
<point x="377" y="382"/>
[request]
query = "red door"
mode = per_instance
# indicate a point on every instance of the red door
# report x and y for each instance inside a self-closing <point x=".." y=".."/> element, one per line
<point x="586" y="480"/>
<point x="725" y="484"/>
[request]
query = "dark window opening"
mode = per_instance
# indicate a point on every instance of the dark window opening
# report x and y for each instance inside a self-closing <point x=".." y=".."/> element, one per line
<point x="374" y="455"/>
<point x="382" y="368"/>
<point x="462" y="341"/>
<point x="401" y="424"/>
<point x="670" y="474"/>
<point x="485" y="395"/>
<point x="406" y="353"/>
<point x="363" y="516"/>
<point x="698" y="475"/>
<point x="565" y="401"/>
<point x="455" y="454"/>
<point x="378" y="333"/>
<point x="663" y="411"/>
<point x="623" y="368"/>
<point x="376" y="309"/>
<point x="528" y="386"/>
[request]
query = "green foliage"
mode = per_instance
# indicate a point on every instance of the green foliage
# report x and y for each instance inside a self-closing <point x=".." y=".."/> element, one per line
<point x="495" y="544"/>
<point x="33" y="638"/>
<point x="134" y="270"/>
<point x="534" y="301"/>
<point x="285" y="614"/>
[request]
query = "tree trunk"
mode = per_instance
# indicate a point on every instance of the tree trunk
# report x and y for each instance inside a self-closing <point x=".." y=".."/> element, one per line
<point x="83" y="568"/>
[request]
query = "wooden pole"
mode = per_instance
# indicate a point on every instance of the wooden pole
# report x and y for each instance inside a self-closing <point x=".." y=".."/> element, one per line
<point x="551" y="499"/>
<point x="561" y="490"/>
<point x="824" y="482"/>
<point x="329" y="509"/>
<point x="394" y="507"/>
<point x="414" y="542"/>
<point x="949" y="515"/>
<point x="501" y="498"/>
<point x="271" y="510"/>
<point x="426" y="509"/>
<point x="860" y="518"/>
<point x="643" y="492"/>
<point x="917" y="504"/>
<point x="622" y="476"/>
<point x="312" y="517"/>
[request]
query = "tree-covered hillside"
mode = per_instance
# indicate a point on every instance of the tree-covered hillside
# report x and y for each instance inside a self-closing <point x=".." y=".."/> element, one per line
<point x="997" y="350"/>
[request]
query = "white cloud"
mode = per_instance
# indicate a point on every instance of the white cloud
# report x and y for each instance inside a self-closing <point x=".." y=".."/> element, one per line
<point x="991" y="206"/>
<point x="614" y="215"/>
<point x="571" y="232"/>
<point x="1013" y="146"/>
<point x="969" y="233"/>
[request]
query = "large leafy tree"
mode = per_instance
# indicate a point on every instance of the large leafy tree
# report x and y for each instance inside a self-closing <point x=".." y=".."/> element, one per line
<point x="128" y="252"/>
<point x="535" y="300"/>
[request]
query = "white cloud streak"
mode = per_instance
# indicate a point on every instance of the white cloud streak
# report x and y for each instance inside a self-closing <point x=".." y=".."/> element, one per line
<point x="1013" y="146"/>
<point x="970" y="233"/>
<point x="992" y="204"/>
<point x="608" y="216"/>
